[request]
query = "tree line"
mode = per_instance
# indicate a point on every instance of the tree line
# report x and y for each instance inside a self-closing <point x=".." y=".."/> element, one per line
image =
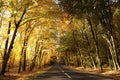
<point x="26" y="41"/>
<point x="79" y="32"/>
<point x="93" y="40"/>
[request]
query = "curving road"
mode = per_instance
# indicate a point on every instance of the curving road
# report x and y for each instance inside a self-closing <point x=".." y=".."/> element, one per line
<point x="59" y="73"/>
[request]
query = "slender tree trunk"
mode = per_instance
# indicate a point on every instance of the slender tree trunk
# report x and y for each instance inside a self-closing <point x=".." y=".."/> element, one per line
<point x="117" y="43"/>
<point x="108" y="57"/>
<point x="23" y="51"/>
<point x="6" y="57"/>
<point x="41" y="54"/>
<point x="115" y="54"/>
<point x="21" y="57"/>
<point x="77" y="46"/>
<point x="90" y="54"/>
<point x="24" y="61"/>
<point x="108" y="25"/>
<point x="33" y="63"/>
<point x="77" y="60"/>
<point x="113" y="36"/>
<point x="96" y="43"/>
<point x="5" y="51"/>
<point x="7" y="54"/>
<point x="20" y="64"/>
<point x="112" y="52"/>
<point x="35" y="55"/>
<point x="23" y="54"/>
<point x="67" y="58"/>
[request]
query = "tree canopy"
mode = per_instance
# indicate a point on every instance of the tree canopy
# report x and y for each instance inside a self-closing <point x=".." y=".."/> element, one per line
<point x="36" y="33"/>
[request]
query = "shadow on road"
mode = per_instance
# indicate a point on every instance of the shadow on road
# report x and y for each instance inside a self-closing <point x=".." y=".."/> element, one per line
<point x="60" y="73"/>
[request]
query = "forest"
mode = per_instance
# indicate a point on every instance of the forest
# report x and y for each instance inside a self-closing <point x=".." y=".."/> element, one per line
<point x="79" y="33"/>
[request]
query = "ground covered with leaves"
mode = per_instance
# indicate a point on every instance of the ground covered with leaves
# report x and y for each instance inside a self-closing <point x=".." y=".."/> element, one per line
<point x="105" y="72"/>
<point x="13" y="75"/>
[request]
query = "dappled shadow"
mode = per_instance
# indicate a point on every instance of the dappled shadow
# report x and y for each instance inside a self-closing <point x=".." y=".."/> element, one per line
<point x="52" y="74"/>
<point x="55" y="73"/>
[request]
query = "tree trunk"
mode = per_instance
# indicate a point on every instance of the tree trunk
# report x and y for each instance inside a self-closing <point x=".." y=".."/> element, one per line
<point x="108" y="25"/>
<point x="41" y="54"/>
<point x="113" y="52"/>
<point x="7" y="55"/>
<point x="35" y="55"/>
<point x="77" y="60"/>
<point x="24" y="58"/>
<point x="96" y="43"/>
<point x="4" y="62"/>
<point x="90" y="54"/>
<point x="23" y="51"/>
<point x="109" y="60"/>
<point x="66" y="58"/>
<point x="24" y="62"/>
<point x="20" y="64"/>
<point x="4" y="65"/>
<point x="77" y="46"/>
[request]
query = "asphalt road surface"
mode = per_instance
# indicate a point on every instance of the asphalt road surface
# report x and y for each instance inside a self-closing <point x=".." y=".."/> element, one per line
<point x="59" y="73"/>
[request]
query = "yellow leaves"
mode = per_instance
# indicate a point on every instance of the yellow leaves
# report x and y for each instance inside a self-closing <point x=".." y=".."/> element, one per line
<point x="117" y="12"/>
<point x="42" y="20"/>
<point x="65" y="27"/>
<point x="12" y="2"/>
<point x="67" y="22"/>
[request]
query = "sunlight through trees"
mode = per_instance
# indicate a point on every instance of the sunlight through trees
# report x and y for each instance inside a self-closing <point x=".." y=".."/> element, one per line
<point x="34" y="34"/>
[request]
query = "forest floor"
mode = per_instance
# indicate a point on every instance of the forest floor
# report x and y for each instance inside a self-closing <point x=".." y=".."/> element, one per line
<point x="13" y="75"/>
<point x="105" y="72"/>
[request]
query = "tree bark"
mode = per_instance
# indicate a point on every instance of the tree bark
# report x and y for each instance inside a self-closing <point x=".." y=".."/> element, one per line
<point x="96" y="43"/>
<point x="24" y="59"/>
<point x="113" y="52"/>
<point x="35" y="55"/>
<point x="7" y="54"/>
<point x="108" y="25"/>
<point x="90" y="54"/>
<point x="77" y="46"/>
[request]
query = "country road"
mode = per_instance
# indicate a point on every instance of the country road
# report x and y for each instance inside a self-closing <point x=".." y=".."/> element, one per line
<point x="59" y="73"/>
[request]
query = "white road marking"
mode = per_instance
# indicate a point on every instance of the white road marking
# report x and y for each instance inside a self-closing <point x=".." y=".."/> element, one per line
<point x="62" y="70"/>
<point x="67" y="75"/>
